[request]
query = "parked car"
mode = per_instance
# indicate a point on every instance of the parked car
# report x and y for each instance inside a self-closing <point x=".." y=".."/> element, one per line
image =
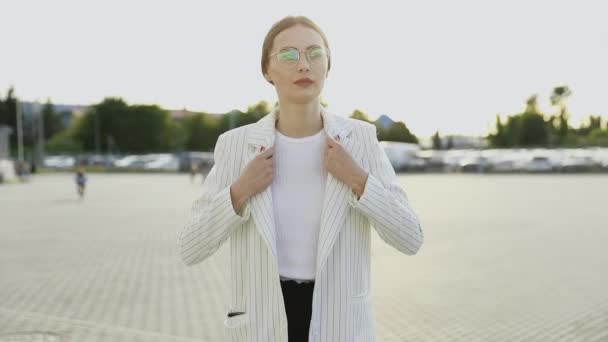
<point x="165" y="162"/>
<point x="433" y="159"/>
<point x="451" y="161"/>
<point x="503" y="165"/>
<point x="59" y="162"/>
<point x="126" y="161"/>
<point x="538" y="164"/>
<point x="475" y="164"/>
<point x="402" y="155"/>
<point x="604" y="165"/>
<point x="202" y="159"/>
<point x="578" y="164"/>
<point x="415" y="164"/>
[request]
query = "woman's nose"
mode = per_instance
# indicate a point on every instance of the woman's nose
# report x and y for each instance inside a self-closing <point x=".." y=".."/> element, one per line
<point x="303" y="65"/>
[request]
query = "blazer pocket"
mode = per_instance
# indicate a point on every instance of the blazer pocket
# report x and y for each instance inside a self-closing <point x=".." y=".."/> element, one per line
<point x="236" y="327"/>
<point x="236" y="319"/>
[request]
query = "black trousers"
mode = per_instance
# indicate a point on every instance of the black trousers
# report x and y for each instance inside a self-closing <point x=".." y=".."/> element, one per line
<point x="298" y="306"/>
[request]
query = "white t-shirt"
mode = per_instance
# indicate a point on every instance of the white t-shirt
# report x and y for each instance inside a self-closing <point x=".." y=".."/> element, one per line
<point x="298" y="188"/>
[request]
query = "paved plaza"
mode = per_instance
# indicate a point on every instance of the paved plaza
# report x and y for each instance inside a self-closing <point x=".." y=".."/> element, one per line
<point x="506" y="258"/>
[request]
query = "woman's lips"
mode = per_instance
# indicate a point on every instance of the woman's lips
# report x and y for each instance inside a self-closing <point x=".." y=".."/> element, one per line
<point x="304" y="83"/>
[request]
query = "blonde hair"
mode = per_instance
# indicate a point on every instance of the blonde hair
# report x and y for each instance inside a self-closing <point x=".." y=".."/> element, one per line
<point x="282" y="25"/>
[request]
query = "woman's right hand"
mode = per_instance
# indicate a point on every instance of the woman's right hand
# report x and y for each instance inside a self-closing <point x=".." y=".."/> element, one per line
<point x="256" y="177"/>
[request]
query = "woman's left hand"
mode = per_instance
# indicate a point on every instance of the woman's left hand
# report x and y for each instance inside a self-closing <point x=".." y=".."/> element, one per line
<point x="341" y="165"/>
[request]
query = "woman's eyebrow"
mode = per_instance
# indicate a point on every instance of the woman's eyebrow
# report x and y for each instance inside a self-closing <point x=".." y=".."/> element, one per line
<point x="308" y="47"/>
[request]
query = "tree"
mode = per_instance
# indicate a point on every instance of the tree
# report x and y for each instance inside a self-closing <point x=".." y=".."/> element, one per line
<point x="450" y="143"/>
<point x="359" y="115"/>
<point x="137" y="128"/>
<point x="558" y="98"/>
<point x="500" y="138"/>
<point x="324" y="103"/>
<point x="52" y="120"/>
<point x="399" y="132"/>
<point x="597" y="137"/>
<point x="150" y="129"/>
<point x="63" y="142"/>
<point x="593" y="123"/>
<point x="524" y="129"/>
<point x="8" y="114"/>
<point x="255" y="113"/>
<point x="259" y="109"/>
<point x="201" y="132"/>
<point x="437" y="141"/>
<point x="532" y="130"/>
<point x="532" y="104"/>
<point x="109" y="117"/>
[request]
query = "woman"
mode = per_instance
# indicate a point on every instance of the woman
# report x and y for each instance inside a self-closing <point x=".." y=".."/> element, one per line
<point x="81" y="181"/>
<point x="297" y="193"/>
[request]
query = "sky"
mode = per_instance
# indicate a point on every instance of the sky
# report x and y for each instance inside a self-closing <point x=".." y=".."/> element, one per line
<point x="446" y="65"/>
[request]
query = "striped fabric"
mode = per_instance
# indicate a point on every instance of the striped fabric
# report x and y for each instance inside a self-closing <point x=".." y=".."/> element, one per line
<point x="342" y="309"/>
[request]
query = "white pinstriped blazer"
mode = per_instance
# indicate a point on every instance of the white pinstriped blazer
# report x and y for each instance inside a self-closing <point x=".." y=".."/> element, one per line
<point x="342" y="310"/>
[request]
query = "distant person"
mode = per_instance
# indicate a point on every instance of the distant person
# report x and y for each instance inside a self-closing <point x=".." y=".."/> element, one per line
<point x="23" y="170"/>
<point x="297" y="194"/>
<point x="19" y="169"/>
<point x="81" y="181"/>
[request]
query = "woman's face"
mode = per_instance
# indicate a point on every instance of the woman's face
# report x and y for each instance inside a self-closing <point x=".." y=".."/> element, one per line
<point x="285" y="75"/>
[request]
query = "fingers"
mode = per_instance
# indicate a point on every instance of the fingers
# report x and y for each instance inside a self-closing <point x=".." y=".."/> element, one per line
<point x="331" y="142"/>
<point x="267" y="152"/>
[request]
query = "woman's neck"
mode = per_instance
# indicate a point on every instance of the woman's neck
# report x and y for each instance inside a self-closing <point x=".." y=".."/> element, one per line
<point x="299" y="120"/>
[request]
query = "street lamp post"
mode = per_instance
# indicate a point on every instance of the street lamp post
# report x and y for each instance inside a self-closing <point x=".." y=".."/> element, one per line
<point x="19" y="131"/>
<point x="97" y="135"/>
<point x="40" y="134"/>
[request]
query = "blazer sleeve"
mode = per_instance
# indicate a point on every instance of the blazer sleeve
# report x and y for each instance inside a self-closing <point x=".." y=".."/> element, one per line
<point x="212" y="216"/>
<point x="385" y="203"/>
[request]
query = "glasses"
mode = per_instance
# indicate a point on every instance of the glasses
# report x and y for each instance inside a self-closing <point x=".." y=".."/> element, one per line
<point x="290" y="56"/>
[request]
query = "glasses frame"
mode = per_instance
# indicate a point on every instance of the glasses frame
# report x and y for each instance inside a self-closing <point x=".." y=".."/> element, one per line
<point x="299" y="54"/>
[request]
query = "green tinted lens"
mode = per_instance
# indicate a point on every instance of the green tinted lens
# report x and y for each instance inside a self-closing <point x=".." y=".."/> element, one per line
<point x="288" y="55"/>
<point x="316" y="53"/>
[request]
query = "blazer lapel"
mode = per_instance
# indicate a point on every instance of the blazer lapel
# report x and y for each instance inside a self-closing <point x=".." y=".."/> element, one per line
<point x="337" y="194"/>
<point x="262" y="133"/>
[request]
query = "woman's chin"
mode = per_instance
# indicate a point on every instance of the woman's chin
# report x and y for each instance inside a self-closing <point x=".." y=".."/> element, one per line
<point x="304" y="97"/>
